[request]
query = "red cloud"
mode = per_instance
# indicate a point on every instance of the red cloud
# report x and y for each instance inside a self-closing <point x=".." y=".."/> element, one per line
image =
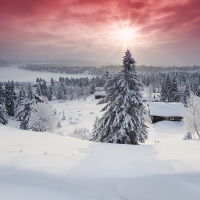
<point x="83" y="23"/>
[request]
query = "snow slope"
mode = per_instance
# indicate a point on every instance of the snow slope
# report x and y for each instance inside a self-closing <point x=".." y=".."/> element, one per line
<point x="52" y="166"/>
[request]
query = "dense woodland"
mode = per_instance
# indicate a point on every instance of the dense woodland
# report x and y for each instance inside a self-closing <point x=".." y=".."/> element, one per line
<point x="148" y="74"/>
<point x="174" y="84"/>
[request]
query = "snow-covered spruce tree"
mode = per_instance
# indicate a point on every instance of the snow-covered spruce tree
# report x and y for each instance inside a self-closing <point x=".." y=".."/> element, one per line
<point x="10" y="98"/>
<point x="24" y="111"/>
<point x="3" y="114"/>
<point x="19" y="103"/>
<point x="95" y="130"/>
<point x="186" y="95"/>
<point x="174" y="94"/>
<point x="61" y="93"/>
<point x="50" y="93"/>
<point x="123" y="120"/>
<point x="2" y="94"/>
<point x="191" y="115"/>
<point x="38" y="88"/>
<point x="194" y="85"/>
<point x="42" y="118"/>
<point x="165" y="89"/>
<point x="45" y="90"/>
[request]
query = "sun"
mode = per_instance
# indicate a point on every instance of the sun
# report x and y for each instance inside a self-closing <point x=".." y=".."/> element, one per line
<point x="125" y="34"/>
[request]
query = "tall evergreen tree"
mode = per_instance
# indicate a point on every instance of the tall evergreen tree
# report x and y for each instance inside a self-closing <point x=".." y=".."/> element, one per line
<point x="19" y="103"/>
<point x="10" y="98"/>
<point x="95" y="130"/>
<point x="186" y="95"/>
<point x="194" y="85"/>
<point x="2" y="94"/>
<point x="50" y="92"/>
<point x="174" y="94"/>
<point x="38" y="88"/>
<point x="123" y="120"/>
<point x="25" y="109"/>
<point x="3" y="114"/>
<point x="165" y="89"/>
<point x="44" y="90"/>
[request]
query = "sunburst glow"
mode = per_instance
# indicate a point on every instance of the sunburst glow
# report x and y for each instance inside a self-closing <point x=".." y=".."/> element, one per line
<point x="125" y="34"/>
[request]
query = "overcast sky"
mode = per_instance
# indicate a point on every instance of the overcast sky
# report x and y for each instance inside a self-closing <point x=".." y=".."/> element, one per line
<point x="157" y="32"/>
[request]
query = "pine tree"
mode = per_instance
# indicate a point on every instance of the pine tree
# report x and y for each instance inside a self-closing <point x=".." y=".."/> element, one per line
<point x="174" y="94"/>
<point x="2" y="94"/>
<point x="44" y="90"/>
<point x="123" y="120"/>
<point x="94" y="131"/>
<point x="19" y="103"/>
<point x="38" y="88"/>
<point x="194" y="85"/>
<point x="186" y="95"/>
<point x="25" y="109"/>
<point x="10" y="98"/>
<point x="3" y="114"/>
<point x="165" y="89"/>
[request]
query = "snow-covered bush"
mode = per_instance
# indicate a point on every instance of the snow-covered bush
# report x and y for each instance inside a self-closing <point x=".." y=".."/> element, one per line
<point x="188" y="136"/>
<point x="81" y="133"/>
<point x="191" y="115"/>
<point x="42" y="118"/>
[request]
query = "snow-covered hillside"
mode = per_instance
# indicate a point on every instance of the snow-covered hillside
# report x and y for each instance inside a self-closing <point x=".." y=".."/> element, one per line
<point x="52" y="166"/>
<point x="49" y="166"/>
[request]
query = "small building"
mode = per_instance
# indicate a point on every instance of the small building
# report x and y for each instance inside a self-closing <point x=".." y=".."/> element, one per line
<point x="99" y="95"/>
<point x="160" y="111"/>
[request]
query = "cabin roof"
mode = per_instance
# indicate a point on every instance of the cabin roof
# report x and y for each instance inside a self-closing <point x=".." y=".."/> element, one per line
<point x="100" y="93"/>
<point x="165" y="109"/>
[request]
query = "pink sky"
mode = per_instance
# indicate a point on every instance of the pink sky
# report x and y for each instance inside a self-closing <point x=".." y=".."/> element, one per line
<point x="165" y="32"/>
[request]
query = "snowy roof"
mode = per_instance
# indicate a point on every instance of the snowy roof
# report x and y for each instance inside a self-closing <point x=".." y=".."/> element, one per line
<point x="166" y="109"/>
<point x="100" y="93"/>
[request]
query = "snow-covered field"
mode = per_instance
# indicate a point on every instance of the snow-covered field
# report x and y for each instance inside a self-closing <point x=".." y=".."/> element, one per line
<point x="49" y="166"/>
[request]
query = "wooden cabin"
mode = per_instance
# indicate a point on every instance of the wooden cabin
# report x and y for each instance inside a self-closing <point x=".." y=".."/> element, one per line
<point x="160" y="111"/>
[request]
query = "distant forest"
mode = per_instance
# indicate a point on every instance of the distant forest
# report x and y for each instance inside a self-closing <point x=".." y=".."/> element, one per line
<point x="150" y="75"/>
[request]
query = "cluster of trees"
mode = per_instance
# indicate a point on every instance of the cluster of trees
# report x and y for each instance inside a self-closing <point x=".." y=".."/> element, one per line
<point x="24" y="102"/>
<point x="98" y="71"/>
<point x="169" y="89"/>
<point x="171" y="92"/>
<point x="27" y="106"/>
<point x="7" y="101"/>
<point x="148" y="74"/>
<point x="68" y="88"/>
<point x="20" y="103"/>
<point x="56" y="69"/>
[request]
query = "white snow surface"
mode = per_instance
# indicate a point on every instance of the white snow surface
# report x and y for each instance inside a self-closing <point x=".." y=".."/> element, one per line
<point x="166" y="109"/>
<point x="22" y="75"/>
<point x="54" y="166"/>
